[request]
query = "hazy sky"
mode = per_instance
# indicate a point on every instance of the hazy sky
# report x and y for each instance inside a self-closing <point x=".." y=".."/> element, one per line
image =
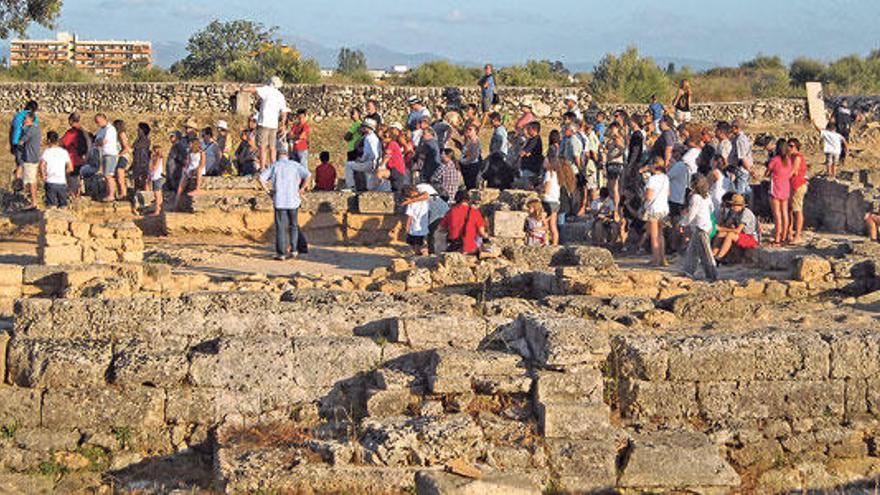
<point x="507" y="31"/>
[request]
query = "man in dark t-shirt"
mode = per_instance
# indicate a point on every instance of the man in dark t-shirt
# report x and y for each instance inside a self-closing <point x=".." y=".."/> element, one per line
<point x="666" y="142"/>
<point x="532" y="153"/>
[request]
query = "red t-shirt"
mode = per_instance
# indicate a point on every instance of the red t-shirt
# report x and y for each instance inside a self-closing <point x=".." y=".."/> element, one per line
<point x="395" y="161"/>
<point x="453" y="222"/>
<point x="74" y="142"/>
<point x="301" y="144"/>
<point x="325" y="177"/>
<point x="799" y="174"/>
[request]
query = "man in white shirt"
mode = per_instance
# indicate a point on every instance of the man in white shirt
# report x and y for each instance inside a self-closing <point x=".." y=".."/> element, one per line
<point x="368" y="159"/>
<point x="107" y="142"/>
<point x="695" y="147"/>
<point x="55" y="164"/>
<point x="571" y="105"/>
<point x="273" y="109"/>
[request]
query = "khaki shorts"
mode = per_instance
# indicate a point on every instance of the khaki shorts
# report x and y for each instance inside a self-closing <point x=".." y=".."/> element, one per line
<point x="266" y="137"/>
<point x="29" y="172"/>
<point x="797" y="198"/>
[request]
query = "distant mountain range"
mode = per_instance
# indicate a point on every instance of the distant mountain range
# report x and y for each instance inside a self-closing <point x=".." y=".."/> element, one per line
<point x="381" y="57"/>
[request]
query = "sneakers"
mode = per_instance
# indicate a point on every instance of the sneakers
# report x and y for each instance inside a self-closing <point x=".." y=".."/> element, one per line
<point x="280" y="257"/>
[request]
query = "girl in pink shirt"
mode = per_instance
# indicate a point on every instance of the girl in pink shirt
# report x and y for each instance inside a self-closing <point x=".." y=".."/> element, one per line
<point x="779" y="170"/>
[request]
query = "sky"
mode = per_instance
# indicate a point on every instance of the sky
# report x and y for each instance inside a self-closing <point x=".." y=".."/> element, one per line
<point x="512" y="31"/>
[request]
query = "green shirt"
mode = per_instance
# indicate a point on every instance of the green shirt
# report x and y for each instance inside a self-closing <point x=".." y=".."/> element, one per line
<point x="355" y="131"/>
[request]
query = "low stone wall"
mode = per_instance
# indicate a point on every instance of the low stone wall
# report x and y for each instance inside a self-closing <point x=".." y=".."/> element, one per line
<point x="335" y="101"/>
<point x="838" y="205"/>
<point x="786" y="405"/>
<point x="64" y="239"/>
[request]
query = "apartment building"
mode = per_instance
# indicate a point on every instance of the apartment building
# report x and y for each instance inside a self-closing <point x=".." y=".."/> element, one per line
<point x="103" y="57"/>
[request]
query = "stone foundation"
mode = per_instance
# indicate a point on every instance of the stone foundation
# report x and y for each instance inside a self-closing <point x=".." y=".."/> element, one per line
<point x="64" y="239"/>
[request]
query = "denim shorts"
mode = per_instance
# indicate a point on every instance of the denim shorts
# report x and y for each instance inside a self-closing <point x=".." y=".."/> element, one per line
<point x="108" y="165"/>
<point x="158" y="184"/>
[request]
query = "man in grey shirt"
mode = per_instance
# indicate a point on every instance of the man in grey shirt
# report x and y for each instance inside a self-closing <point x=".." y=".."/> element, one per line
<point x="499" y="143"/>
<point x="29" y="149"/>
<point x="741" y="159"/>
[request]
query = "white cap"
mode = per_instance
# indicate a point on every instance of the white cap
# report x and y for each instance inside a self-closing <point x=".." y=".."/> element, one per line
<point x="412" y="100"/>
<point x="221" y="124"/>
<point x="370" y="123"/>
<point x="276" y="82"/>
<point x="396" y="125"/>
<point x="571" y="98"/>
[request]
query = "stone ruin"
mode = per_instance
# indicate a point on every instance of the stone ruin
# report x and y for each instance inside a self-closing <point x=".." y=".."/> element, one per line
<point x="544" y="369"/>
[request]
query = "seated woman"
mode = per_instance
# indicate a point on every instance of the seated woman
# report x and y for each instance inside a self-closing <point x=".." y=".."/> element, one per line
<point x="739" y="227"/>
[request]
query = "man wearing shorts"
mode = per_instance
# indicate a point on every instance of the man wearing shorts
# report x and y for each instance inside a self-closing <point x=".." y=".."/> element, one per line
<point x="29" y="151"/>
<point x="739" y="228"/>
<point x="108" y="146"/>
<point x="273" y="109"/>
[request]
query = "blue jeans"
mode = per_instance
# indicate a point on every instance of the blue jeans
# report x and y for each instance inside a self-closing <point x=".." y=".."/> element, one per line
<point x="286" y="230"/>
<point x="302" y="157"/>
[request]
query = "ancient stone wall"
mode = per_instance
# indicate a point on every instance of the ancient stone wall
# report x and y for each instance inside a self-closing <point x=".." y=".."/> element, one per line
<point x="771" y="399"/>
<point x="64" y="239"/>
<point x="335" y="101"/>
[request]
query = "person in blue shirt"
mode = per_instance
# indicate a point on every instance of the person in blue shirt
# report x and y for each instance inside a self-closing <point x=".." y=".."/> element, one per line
<point x="600" y="126"/>
<point x="289" y="180"/>
<point x="487" y="87"/>
<point x="656" y="109"/>
<point x="15" y="132"/>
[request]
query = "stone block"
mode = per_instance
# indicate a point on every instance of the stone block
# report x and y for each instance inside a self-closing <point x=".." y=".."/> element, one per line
<point x="42" y="439"/>
<point x="60" y="255"/>
<point x="382" y="203"/>
<point x="493" y="483"/>
<point x="56" y="221"/>
<point x="49" y="363"/>
<point x="810" y="269"/>
<point x="153" y="364"/>
<point x="508" y="224"/>
<point x="557" y="342"/>
<point x="583" y="466"/>
<point x="725" y="401"/>
<point x="11" y="275"/>
<point x="19" y="406"/>
<point x="32" y="484"/>
<point x="328" y="202"/>
<point x="462" y="371"/>
<point x="102" y="231"/>
<point x="644" y="358"/>
<point x="423" y="332"/>
<point x="356" y="221"/>
<point x="855" y="354"/>
<point x="583" y="386"/>
<point x="668" y="461"/>
<point x="669" y="401"/>
<point x="574" y="420"/>
<point x="137" y="408"/>
<point x="80" y="230"/>
<point x="54" y="240"/>
<point x="321" y="220"/>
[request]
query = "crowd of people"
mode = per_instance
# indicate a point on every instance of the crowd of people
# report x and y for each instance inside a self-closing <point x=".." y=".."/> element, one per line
<point x="649" y="181"/>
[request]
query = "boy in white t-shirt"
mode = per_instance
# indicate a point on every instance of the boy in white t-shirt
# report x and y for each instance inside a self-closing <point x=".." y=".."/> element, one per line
<point x="55" y="164"/>
<point x="417" y="215"/>
<point x="833" y="144"/>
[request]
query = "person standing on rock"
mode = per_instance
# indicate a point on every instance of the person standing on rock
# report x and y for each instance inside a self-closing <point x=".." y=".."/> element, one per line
<point x="16" y="129"/>
<point x="108" y="143"/>
<point x="76" y="143"/>
<point x="740" y="160"/>
<point x="299" y="138"/>
<point x="682" y="102"/>
<point x="273" y="109"/>
<point x="698" y="224"/>
<point x="487" y="89"/>
<point x="288" y="180"/>
<point x="799" y="185"/>
<point x="368" y="159"/>
<point x="656" y="209"/>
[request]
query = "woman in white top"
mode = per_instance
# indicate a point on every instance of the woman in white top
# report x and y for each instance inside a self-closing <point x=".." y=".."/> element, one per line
<point x="656" y="205"/>
<point x="550" y="194"/>
<point x="698" y="222"/>
<point x="191" y="182"/>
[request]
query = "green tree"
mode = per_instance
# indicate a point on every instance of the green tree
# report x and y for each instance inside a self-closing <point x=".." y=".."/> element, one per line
<point x="803" y="70"/>
<point x="350" y="61"/>
<point x="219" y="45"/>
<point x="762" y="62"/>
<point x="535" y="73"/>
<point x="140" y="71"/>
<point x="44" y="72"/>
<point x="441" y="73"/>
<point x="273" y="59"/>
<point x="17" y="15"/>
<point x="628" y="78"/>
<point x="855" y="74"/>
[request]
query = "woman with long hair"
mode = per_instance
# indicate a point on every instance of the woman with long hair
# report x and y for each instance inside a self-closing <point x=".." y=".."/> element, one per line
<point x="799" y="186"/>
<point x="682" y="102"/>
<point x="615" y="147"/>
<point x="779" y="170"/>
<point x="656" y="209"/>
<point x="122" y="164"/>
<point x="550" y="192"/>
<point x="471" y="158"/>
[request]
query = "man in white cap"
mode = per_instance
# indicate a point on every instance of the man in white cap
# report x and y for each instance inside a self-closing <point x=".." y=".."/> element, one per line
<point x="223" y="143"/>
<point x="369" y="157"/>
<point x="571" y="105"/>
<point x="288" y="179"/>
<point x="273" y="109"/>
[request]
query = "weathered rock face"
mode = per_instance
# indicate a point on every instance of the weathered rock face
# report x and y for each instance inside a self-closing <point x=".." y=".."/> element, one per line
<point x="330" y="100"/>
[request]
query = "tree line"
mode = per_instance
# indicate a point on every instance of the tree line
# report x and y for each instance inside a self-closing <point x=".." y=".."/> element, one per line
<point x="247" y="51"/>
